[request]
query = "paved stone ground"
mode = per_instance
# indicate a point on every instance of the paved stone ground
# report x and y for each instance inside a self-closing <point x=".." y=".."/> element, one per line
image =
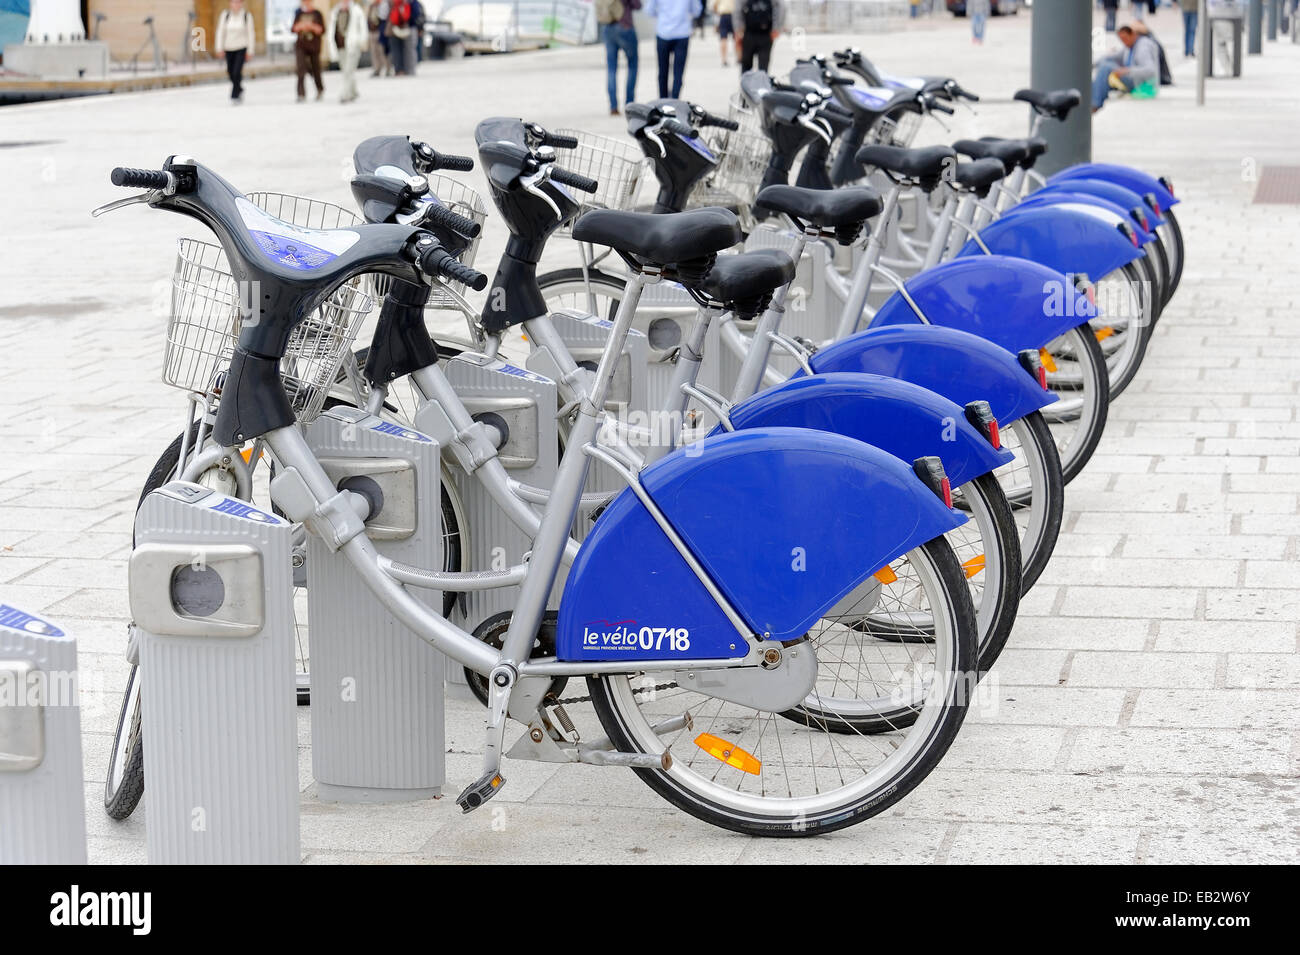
<point x="1145" y="710"/>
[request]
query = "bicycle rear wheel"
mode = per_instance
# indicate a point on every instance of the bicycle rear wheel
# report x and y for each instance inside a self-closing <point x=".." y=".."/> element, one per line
<point x="1035" y="490"/>
<point x="1076" y="373"/>
<point x="775" y="776"/>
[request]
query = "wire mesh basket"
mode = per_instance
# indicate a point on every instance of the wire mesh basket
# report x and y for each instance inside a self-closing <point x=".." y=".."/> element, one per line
<point x="742" y="154"/>
<point x="617" y="165"/>
<point x="204" y="322"/>
<point x="897" y="130"/>
<point x="465" y="201"/>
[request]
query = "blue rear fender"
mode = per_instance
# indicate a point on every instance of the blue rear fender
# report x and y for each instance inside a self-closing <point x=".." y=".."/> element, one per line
<point x="1014" y="303"/>
<point x="1054" y="196"/>
<point x="896" y="416"/>
<point x="1073" y="238"/>
<point x="1135" y="179"/>
<point x="785" y="521"/>
<point x="1123" y="197"/>
<point x="956" y="364"/>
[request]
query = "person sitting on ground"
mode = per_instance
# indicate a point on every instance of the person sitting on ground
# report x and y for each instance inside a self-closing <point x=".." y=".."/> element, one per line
<point x="1138" y="63"/>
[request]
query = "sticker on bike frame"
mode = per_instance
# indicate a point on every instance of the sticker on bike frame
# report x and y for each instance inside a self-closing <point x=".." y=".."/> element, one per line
<point x="868" y="99"/>
<point x="624" y="636"/>
<point x="237" y="508"/>
<point x="521" y="373"/>
<point x="397" y="431"/>
<point x="290" y="246"/>
<point x="700" y="148"/>
<point x="11" y="618"/>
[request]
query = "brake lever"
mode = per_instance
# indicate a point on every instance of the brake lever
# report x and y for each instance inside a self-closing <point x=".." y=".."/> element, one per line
<point x="653" y="136"/>
<point x="128" y="201"/>
<point x="817" y="125"/>
<point x="530" y="186"/>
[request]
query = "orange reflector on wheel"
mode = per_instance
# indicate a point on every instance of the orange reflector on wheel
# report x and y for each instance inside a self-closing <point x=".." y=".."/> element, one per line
<point x="247" y="455"/>
<point x="885" y="575"/>
<point x="1104" y="333"/>
<point x="973" y="566"/>
<point x="729" y="753"/>
<point x="1049" y="363"/>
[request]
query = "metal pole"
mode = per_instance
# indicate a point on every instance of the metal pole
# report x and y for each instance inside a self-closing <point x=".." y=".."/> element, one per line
<point x="1202" y="50"/>
<point x="1061" y="58"/>
<point x="1255" y="27"/>
<point x="1274" y="8"/>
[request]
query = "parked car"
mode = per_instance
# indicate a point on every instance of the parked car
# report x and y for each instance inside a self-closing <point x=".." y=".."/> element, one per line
<point x="1000" y="7"/>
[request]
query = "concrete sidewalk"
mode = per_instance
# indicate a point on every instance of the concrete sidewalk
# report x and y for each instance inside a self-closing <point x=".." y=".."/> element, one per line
<point x="1145" y="709"/>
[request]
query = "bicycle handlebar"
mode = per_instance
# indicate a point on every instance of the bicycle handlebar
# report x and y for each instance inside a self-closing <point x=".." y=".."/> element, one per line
<point x="708" y="119"/>
<point x="436" y="261"/>
<point x="963" y="93"/>
<point x="441" y="215"/>
<point x="141" y="178"/>
<point x="681" y="129"/>
<point x="430" y="160"/>
<point x="557" y="141"/>
<point x="564" y="177"/>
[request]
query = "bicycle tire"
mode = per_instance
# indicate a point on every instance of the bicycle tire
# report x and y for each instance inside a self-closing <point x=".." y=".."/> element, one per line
<point x="1042" y="501"/>
<point x="1076" y="449"/>
<point x="616" y="706"/>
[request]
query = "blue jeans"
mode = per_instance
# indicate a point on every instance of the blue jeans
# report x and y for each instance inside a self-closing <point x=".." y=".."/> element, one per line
<point x="674" y="50"/>
<point x="977" y="22"/>
<point x="1101" y="81"/>
<point x="618" y="37"/>
<point x="1189" y="32"/>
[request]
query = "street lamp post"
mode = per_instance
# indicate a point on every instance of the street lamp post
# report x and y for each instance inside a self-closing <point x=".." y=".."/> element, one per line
<point x="1061" y="58"/>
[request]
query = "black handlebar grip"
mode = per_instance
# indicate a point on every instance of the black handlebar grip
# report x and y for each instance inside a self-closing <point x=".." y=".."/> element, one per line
<point x="140" y="178"/>
<point x="438" y="261"/>
<point x="557" y="141"/>
<point x="840" y="80"/>
<point x="441" y="215"/>
<point x="974" y="98"/>
<point x="564" y="177"/>
<point x="940" y="107"/>
<point x="454" y="163"/>
<point x="719" y="121"/>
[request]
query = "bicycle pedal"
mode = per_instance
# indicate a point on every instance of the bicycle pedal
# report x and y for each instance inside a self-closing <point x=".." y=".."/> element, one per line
<point x="480" y="791"/>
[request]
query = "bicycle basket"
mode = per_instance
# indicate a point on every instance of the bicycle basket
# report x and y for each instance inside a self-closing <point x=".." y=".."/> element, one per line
<point x="617" y="165"/>
<point x="742" y="154"/>
<point x="461" y="199"/>
<point x="204" y="322"/>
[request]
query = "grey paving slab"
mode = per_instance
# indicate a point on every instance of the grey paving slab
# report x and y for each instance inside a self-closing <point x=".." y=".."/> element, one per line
<point x="1145" y="709"/>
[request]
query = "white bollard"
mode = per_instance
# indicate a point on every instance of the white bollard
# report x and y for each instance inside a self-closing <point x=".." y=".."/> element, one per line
<point x="377" y="722"/>
<point x="211" y="586"/>
<point x="42" y="797"/>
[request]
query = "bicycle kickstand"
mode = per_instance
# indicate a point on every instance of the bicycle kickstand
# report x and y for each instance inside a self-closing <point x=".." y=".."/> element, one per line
<point x="501" y="682"/>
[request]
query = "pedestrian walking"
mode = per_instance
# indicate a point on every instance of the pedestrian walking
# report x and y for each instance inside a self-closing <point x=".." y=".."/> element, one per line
<point x="615" y="19"/>
<point x="673" y="19"/>
<point x="1190" y="12"/>
<point x="348" y="33"/>
<point x="236" y="39"/>
<point x="757" y="28"/>
<point x="725" y="9"/>
<point x="417" y="33"/>
<point x="1112" y="9"/>
<point x="309" y="25"/>
<point x="377" y="20"/>
<point x="399" y="33"/>
<point x="978" y="11"/>
<point x="1139" y="9"/>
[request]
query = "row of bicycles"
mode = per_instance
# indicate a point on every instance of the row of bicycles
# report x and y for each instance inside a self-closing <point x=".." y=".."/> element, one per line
<point x="781" y="460"/>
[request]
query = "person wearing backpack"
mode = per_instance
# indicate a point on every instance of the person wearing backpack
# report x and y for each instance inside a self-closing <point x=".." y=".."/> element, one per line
<point x="615" y="19"/>
<point x="235" y="38"/>
<point x="757" y="29"/>
<point x="674" y="22"/>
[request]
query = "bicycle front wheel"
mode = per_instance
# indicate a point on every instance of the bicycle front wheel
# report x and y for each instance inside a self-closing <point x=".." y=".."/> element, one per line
<point x="776" y="776"/>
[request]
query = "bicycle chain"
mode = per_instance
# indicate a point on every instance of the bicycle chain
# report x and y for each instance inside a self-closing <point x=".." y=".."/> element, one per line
<point x="587" y="699"/>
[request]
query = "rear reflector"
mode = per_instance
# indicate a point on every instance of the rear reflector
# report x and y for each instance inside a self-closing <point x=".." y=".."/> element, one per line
<point x="930" y="470"/>
<point x="980" y="415"/>
<point x="886" y="575"/>
<point x="1031" y="363"/>
<point x="1044" y="356"/>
